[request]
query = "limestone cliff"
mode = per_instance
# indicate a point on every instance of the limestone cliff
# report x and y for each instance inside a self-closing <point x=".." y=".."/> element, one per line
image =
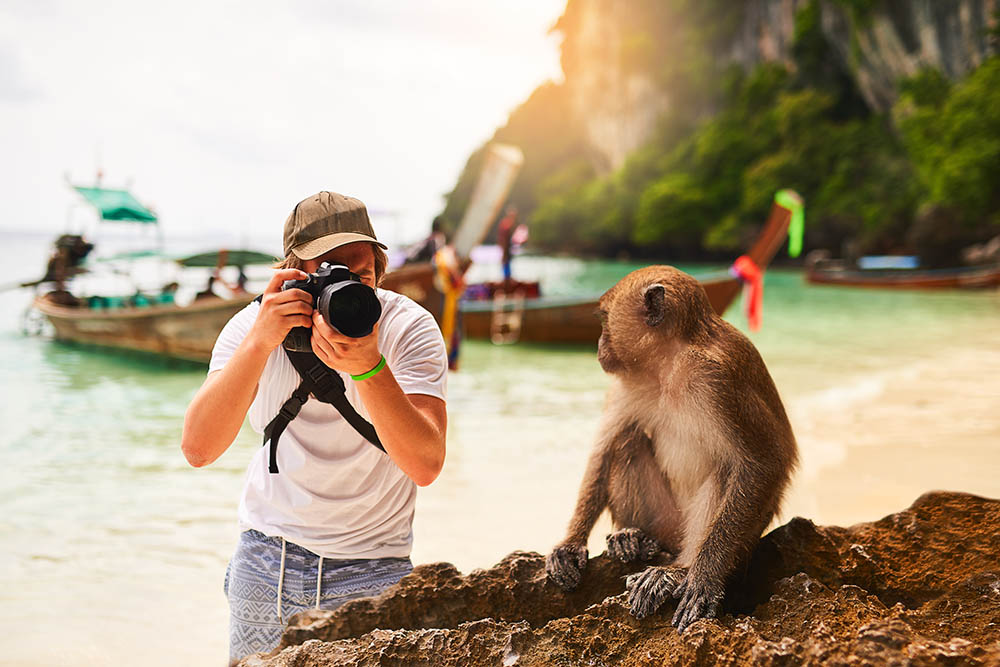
<point x="619" y="97"/>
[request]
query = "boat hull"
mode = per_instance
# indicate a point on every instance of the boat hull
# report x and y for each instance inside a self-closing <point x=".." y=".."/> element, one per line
<point x="187" y="332"/>
<point x="570" y="321"/>
<point x="575" y="321"/>
<point x="964" y="278"/>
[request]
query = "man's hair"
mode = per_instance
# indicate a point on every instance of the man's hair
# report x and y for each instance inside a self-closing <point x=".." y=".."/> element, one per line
<point x="381" y="263"/>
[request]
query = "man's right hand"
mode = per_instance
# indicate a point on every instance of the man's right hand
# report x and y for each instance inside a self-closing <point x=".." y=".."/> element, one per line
<point x="281" y="311"/>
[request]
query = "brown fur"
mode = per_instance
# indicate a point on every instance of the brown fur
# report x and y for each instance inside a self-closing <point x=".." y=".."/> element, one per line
<point x="694" y="451"/>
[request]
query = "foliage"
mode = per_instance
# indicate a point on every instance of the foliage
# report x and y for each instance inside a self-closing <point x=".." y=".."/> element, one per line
<point x="952" y="134"/>
<point x="711" y="191"/>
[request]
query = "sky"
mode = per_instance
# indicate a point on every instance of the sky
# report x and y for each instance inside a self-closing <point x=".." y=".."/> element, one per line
<point x="222" y="115"/>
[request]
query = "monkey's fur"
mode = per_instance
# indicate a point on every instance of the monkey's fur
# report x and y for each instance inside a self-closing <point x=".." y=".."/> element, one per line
<point x="694" y="448"/>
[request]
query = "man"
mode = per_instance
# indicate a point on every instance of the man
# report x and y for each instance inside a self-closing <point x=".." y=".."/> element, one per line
<point x="336" y="522"/>
<point x="505" y="239"/>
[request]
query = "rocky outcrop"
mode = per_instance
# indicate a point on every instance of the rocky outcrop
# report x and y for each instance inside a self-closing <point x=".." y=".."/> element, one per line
<point x="876" y="43"/>
<point x="898" y="38"/>
<point x="619" y="97"/>
<point x="919" y="587"/>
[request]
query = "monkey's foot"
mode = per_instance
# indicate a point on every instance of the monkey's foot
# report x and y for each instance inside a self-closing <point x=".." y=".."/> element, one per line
<point x="631" y="544"/>
<point x="698" y="599"/>
<point x="649" y="589"/>
<point x="565" y="565"/>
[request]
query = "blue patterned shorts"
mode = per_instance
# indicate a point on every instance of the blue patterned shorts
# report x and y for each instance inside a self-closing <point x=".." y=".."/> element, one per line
<point x="252" y="582"/>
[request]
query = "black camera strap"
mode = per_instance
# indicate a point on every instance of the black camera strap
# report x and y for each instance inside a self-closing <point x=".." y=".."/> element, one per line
<point x="327" y="386"/>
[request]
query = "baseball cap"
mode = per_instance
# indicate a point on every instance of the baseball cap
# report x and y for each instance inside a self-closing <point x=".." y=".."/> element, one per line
<point x="325" y="221"/>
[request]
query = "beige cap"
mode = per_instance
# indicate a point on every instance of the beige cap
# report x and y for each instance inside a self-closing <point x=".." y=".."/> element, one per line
<point x="325" y="221"/>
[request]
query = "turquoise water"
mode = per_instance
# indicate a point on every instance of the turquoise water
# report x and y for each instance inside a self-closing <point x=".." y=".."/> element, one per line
<point x="110" y="536"/>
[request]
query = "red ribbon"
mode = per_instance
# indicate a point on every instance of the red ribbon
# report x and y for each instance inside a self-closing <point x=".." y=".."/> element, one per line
<point x="752" y="278"/>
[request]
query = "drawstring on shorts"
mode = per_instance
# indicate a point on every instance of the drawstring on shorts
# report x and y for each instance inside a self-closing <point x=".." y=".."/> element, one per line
<point x="319" y="580"/>
<point x="281" y="578"/>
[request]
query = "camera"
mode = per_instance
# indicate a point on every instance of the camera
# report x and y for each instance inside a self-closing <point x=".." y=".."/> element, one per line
<point x="346" y="304"/>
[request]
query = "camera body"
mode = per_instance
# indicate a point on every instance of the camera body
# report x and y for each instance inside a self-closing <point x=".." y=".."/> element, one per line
<point x="346" y="304"/>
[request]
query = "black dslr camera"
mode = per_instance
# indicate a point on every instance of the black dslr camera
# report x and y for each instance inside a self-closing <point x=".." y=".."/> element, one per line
<point x="346" y="304"/>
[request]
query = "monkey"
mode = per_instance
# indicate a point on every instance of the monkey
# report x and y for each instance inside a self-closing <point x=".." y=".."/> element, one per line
<point x="693" y="453"/>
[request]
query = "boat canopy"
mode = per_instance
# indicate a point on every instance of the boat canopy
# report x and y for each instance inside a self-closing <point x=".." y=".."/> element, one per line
<point x="116" y="205"/>
<point x="228" y="258"/>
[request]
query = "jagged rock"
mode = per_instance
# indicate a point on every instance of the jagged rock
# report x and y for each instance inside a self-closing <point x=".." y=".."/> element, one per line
<point x="919" y="587"/>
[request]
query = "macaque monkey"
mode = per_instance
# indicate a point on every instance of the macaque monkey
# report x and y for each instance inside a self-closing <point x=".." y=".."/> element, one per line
<point x="694" y="448"/>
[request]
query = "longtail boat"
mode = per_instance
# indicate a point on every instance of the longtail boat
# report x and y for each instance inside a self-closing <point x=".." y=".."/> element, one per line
<point x="510" y="317"/>
<point x="147" y="322"/>
<point x="179" y="332"/>
<point x="835" y="272"/>
<point x="574" y="320"/>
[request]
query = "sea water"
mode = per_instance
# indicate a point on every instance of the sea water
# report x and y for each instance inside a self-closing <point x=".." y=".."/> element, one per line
<point x="113" y="549"/>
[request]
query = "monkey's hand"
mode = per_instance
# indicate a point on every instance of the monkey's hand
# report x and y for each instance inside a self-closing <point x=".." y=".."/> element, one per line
<point x="649" y="589"/>
<point x="699" y="598"/>
<point x="631" y="544"/>
<point x="565" y="565"/>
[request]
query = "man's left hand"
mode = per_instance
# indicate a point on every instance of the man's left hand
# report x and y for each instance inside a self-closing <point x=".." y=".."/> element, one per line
<point x="343" y="353"/>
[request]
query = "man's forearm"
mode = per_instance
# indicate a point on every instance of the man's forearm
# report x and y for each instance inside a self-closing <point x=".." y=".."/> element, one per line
<point x="411" y="427"/>
<point x="216" y="413"/>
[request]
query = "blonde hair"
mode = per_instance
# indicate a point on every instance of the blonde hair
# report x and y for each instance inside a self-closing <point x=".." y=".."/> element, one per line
<point x="381" y="263"/>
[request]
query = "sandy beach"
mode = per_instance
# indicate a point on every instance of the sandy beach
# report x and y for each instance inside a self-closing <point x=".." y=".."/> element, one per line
<point x="934" y="424"/>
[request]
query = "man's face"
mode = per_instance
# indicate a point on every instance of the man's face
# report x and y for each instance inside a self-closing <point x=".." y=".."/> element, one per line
<point x="359" y="257"/>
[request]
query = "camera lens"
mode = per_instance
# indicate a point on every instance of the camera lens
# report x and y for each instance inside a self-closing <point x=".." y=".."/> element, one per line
<point x="352" y="308"/>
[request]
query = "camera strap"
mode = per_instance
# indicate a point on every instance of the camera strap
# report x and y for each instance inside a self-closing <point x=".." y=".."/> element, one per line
<point x="327" y="386"/>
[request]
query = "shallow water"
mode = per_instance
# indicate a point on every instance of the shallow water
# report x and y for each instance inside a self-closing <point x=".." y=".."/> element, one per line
<point x="114" y="549"/>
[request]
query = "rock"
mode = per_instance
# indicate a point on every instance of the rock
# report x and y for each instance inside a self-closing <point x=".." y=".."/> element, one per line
<point x="919" y="587"/>
<point x="875" y="44"/>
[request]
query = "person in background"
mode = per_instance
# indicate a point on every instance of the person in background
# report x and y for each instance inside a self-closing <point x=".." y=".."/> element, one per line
<point x="209" y="291"/>
<point x="336" y="522"/>
<point x="450" y="281"/>
<point x="505" y="239"/>
<point x="426" y="249"/>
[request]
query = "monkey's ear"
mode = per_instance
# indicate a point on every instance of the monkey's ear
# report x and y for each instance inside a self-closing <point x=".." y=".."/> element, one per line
<point x="655" y="308"/>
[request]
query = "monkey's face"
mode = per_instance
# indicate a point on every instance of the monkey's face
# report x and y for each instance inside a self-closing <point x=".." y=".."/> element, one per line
<point x="644" y="313"/>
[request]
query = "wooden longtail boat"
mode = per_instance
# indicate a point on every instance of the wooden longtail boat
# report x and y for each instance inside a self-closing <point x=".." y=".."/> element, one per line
<point x="832" y="272"/>
<point x="565" y="320"/>
<point x="572" y="320"/>
<point x="151" y="324"/>
<point x="180" y="332"/>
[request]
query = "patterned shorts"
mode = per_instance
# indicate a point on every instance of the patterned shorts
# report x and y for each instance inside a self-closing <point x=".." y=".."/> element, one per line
<point x="252" y="580"/>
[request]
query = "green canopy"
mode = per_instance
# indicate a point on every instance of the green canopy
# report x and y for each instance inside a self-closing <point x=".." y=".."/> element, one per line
<point x="228" y="258"/>
<point x="116" y="204"/>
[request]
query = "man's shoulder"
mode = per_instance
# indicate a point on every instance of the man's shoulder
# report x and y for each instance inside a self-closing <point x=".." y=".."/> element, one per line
<point x="400" y="305"/>
<point x="248" y="313"/>
<point x="403" y="319"/>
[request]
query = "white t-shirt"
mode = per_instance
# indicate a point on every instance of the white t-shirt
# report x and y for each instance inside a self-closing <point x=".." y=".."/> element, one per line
<point x="336" y="495"/>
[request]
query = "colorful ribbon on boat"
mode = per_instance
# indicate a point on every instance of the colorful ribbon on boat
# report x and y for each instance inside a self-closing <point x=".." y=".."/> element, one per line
<point x="752" y="278"/>
<point x="448" y="280"/>
<point x="791" y="200"/>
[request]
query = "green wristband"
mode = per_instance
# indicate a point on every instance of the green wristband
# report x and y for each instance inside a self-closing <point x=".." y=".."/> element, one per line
<point x="364" y="376"/>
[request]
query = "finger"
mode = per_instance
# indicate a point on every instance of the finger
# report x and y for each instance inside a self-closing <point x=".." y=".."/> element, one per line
<point x="280" y="276"/>
<point x="293" y="307"/>
<point x="330" y="353"/>
<point x="334" y="337"/>
<point x="289" y="295"/>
